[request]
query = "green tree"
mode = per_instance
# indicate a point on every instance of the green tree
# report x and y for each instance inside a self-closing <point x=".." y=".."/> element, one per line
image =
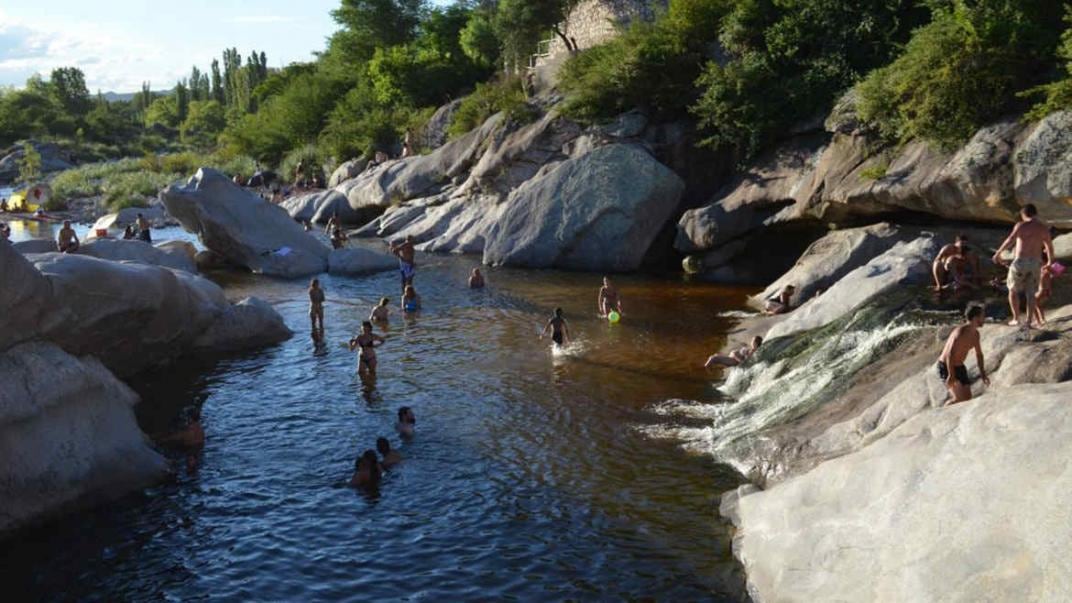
<point x="217" y="83"/>
<point x="204" y="123"/>
<point x="521" y="23"/>
<point x="367" y="25"/>
<point x="29" y="164"/>
<point x="479" y="41"/>
<point x="68" y="86"/>
<point x="182" y="101"/>
<point x="164" y="111"/>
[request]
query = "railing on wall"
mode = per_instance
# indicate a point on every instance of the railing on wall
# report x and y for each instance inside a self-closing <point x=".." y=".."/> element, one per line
<point x="543" y="51"/>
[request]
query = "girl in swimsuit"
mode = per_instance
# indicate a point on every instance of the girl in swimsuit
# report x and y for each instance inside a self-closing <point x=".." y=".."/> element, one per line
<point x="559" y="329"/>
<point x="368" y="342"/>
<point x="411" y="302"/>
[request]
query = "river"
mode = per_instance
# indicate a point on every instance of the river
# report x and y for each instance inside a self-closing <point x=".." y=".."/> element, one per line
<point x="530" y="477"/>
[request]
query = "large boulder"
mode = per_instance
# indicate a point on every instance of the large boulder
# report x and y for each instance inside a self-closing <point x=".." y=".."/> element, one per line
<point x="24" y="298"/>
<point x="355" y="260"/>
<point x="67" y="435"/>
<point x="244" y="228"/>
<point x="319" y="207"/>
<point x="956" y="504"/>
<point x="1044" y="168"/>
<point x="119" y="250"/>
<point x="435" y="134"/>
<point x="904" y="264"/>
<point x="251" y="323"/>
<point x="832" y="257"/>
<point x="598" y="212"/>
<point x="35" y="246"/>
<point x="347" y="171"/>
<point x="53" y="159"/>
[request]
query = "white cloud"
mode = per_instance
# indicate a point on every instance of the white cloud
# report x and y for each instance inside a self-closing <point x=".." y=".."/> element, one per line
<point x="111" y="60"/>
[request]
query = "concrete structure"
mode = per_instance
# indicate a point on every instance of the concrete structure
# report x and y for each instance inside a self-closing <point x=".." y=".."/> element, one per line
<point x="596" y="21"/>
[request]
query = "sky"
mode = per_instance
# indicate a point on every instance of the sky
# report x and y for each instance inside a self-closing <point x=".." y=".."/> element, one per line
<point x="119" y="44"/>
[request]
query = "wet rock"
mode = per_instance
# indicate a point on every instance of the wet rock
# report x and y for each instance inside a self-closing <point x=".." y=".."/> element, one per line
<point x="904" y="264"/>
<point x="137" y="251"/>
<point x="67" y="435"/>
<point x="934" y="511"/>
<point x="356" y="260"/>
<point x="599" y="212"/>
<point x="244" y="228"/>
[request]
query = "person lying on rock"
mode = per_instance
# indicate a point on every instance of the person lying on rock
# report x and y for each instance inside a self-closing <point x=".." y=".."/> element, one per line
<point x="781" y="303"/>
<point x="407" y="422"/>
<point x="316" y="304"/>
<point x="68" y="240"/>
<point x="390" y="458"/>
<point x="407" y="265"/>
<point x="1031" y="238"/>
<point x="476" y="279"/>
<point x="381" y="312"/>
<point x="951" y="368"/>
<point x="609" y="300"/>
<point x="736" y="357"/>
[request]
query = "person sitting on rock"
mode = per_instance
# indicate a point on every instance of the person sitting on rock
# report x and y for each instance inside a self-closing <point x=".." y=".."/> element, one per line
<point x="3" y="205"/>
<point x="389" y="458"/>
<point x="407" y="422"/>
<point x="736" y="357"/>
<point x="476" y="279"/>
<point x="381" y="312"/>
<point x="608" y="300"/>
<point x="411" y="302"/>
<point x="316" y="305"/>
<point x="338" y="239"/>
<point x="366" y="471"/>
<point x="781" y="303"/>
<point x="143" y="229"/>
<point x="956" y="264"/>
<point x="68" y="240"/>
<point x="5" y="232"/>
<point x="963" y="339"/>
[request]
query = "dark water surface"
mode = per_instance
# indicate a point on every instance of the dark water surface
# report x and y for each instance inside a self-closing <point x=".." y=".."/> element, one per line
<point x="529" y="477"/>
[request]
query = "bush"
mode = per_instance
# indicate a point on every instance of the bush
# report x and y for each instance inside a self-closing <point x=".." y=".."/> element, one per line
<point x="961" y="71"/>
<point x="504" y="96"/>
<point x="310" y="157"/>
<point x="130" y="189"/>
<point x="1057" y="96"/>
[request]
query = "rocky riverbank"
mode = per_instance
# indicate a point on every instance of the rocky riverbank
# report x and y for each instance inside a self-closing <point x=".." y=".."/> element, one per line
<point x="70" y="327"/>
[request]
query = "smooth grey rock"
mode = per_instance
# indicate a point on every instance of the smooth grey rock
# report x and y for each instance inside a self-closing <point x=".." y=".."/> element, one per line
<point x="35" y="246"/>
<point x="68" y="435"/>
<point x="434" y="133"/>
<point x="599" y="212"/>
<point x="905" y="263"/>
<point x="244" y="228"/>
<point x="24" y="299"/>
<point x="320" y="206"/>
<point x="830" y="258"/>
<point x="627" y="125"/>
<point x="347" y="171"/>
<point x="119" y="250"/>
<point x="251" y="323"/>
<point x="53" y="159"/>
<point x="1044" y="168"/>
<point x="515" y="156"/>
<point x="955" y="504"/>
<point x="1062" y="247"/>
<point x="356" y="260"/>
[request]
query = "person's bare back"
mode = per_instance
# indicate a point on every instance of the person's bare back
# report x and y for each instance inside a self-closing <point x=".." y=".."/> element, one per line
<point x="1029" y="239"/>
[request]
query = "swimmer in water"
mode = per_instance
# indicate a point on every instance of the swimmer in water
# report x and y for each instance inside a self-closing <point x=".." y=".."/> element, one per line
<point x="411" y="302"/>
<point x="609" y="300"/>
<point x="316" y="304"/>
<point x="476" y="280"/>
<point x="381" y="313"/>
<point x="407" y="422"/>
<point x="390" y="457"/>
<point x="368" y="342"/>
<point x="559" y="329"/>
<point x="366" y="471"/>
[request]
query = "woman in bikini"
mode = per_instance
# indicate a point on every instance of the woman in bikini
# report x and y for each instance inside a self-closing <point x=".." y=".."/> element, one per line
<point x="368" y="342"/>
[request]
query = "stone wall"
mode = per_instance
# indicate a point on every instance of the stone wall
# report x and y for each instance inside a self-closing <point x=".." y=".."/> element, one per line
<point x="596" y="21"/>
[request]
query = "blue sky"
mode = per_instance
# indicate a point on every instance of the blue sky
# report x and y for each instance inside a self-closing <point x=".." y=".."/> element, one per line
<point x="120" y="43"/>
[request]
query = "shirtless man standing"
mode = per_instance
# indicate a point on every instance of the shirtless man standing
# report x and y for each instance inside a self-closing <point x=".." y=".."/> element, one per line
<point x="609" y="299"/>
<point x="963" y="339"/>
<point x="1032" y="237"/>
<point x="406" y="264"/>
<point x="68" y="240"/>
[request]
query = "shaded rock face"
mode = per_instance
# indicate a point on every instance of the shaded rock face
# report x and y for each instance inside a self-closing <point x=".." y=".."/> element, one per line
<point x="251" y="323"/>
<point x="35" y="246"/>
<point x="934" y="511"/>
<point x="244" y="228"/>
<point x="356" y="260"/>
<point x="598" y="212"/>
<point x="67" y="434"/>
<point x="434" y="134"/>
<point x="137" y="251"/>
<point x="320" y="206"/>
<point x="52" y="159"/>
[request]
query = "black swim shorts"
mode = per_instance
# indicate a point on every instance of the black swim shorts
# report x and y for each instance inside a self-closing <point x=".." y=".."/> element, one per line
<point x="960" y="373"/>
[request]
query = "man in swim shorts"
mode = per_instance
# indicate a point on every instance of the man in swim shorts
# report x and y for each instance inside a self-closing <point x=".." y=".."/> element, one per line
<point x="407" y="266"/>
<point x="609" y="300"/>
<point x="963" y="339"/>
<point x="1031" y="238"/>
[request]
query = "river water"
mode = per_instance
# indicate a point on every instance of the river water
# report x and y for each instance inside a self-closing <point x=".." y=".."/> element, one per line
<point x="530" y="476"/>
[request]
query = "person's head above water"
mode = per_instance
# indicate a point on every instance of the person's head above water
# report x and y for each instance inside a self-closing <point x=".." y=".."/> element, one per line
<point x="409" y="238"/>
<point x="384" y="301"/>
<point x="405" y="415"/>
<point x="66" y="223"/>
<point x="383" y="445"/>
<point x="476" y="272"/>
<point x="410" y="291"/>
<point x="314" y="284"/>
<point x="976" y="314"/>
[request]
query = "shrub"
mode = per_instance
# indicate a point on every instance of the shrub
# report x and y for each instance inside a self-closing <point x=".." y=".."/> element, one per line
<point x="1057" y="95"/>
<point x="310" y="157"/>
<point x="130" y="189"/>
<point x="488" y="99"/>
